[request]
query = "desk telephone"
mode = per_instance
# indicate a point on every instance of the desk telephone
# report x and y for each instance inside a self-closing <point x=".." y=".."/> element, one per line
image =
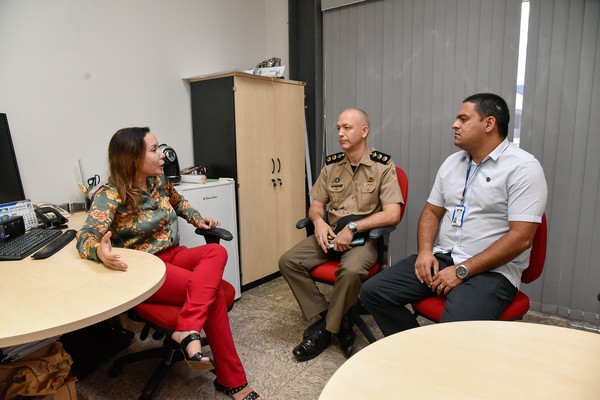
<point x="50" y="217"/>
<point x="35" y="215"/>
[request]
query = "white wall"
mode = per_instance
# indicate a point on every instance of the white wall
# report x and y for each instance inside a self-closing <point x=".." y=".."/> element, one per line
<point x="73" y="72"/>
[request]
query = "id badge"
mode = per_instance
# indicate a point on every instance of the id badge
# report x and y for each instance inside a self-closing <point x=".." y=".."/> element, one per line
<point x="458" y="215"/>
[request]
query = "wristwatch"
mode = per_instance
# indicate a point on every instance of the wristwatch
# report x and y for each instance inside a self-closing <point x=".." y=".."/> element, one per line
<point x="462" y="272"/>
<point x="353" y="226"/>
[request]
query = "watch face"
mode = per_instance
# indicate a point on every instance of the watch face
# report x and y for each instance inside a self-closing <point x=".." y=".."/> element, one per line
<point x="353" y="226"/>
<point x="462" y="271"/>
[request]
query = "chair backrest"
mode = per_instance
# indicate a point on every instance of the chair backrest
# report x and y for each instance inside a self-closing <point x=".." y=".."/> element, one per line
<point x="403" y="182"/>
<point x="537" y="256"/>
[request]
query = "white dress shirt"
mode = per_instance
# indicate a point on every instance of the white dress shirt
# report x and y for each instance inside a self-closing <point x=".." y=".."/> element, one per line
<point x="508" y="185"/>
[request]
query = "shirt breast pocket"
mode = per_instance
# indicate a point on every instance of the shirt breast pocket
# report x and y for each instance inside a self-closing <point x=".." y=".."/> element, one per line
<point x="368" y="197"/>
<point x="335" y="192"/>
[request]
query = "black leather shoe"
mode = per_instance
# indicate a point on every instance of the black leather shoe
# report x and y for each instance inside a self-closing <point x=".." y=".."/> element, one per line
<point x="315" y="326"/>
<point x="313" y="345"/>
<point x="346" y="336"/>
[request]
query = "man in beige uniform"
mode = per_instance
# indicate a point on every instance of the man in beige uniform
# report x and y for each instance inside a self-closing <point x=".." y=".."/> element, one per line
<point x="360" y="184"/>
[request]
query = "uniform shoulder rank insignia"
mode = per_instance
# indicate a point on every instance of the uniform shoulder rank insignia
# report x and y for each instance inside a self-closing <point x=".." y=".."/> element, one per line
<point x="333" y="158"/>
<point x="381" y="157"/>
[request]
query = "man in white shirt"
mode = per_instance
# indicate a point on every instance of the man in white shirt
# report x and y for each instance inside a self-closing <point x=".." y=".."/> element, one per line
<point x="475" y="231"/>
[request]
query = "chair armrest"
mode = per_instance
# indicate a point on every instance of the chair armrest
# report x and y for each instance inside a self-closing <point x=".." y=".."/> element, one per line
<point x="376" y="233"/>
<point x="303" y="223"/>
<point x="214" y="235"/>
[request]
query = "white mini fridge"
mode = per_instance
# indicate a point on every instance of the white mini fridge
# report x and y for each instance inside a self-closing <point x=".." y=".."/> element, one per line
<point x="217" y="200"/>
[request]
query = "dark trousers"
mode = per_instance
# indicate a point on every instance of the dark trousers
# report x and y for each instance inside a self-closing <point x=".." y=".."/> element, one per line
<point x="482" y="297"/>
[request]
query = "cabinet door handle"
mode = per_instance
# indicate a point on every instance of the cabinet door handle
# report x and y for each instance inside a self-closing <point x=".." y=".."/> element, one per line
<point x="278" y="165"/>
<point x="280" y="182"/>
<point x="274" y="183"/>
<point x="273" y="163"/>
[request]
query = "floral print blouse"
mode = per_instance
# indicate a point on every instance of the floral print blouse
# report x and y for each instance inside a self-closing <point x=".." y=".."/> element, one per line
<point x="152" y="228"/>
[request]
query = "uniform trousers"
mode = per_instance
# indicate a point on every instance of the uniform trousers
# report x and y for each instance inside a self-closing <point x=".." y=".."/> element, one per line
<point x="295" y="266"/>
<point x="482" y="297"/>
<point x="193" y="281"/>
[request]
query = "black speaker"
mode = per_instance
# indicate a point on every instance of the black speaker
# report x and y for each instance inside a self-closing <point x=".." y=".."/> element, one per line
<point x="172" y="171"/>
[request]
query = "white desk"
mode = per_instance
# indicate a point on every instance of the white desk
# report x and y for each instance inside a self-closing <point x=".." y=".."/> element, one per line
<point x="45" y="298"/>
<point x="473" y="360"/>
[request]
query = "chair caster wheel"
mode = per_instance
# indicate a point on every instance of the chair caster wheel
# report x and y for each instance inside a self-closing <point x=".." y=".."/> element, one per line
<point x="157" y="335"/>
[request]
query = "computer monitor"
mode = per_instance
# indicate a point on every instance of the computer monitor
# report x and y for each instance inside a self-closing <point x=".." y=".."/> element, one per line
<point x="11" y="187"/>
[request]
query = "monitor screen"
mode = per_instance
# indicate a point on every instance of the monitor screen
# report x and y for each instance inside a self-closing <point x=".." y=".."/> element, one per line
<point x="11" y="188"/>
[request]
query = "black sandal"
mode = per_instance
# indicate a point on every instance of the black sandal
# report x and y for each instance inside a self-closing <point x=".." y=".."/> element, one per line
<point x="231" y="391"/>
<point x="195" y="361"/>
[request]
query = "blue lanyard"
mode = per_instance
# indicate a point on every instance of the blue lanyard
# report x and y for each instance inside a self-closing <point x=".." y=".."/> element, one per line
<point x="462" y="198"/>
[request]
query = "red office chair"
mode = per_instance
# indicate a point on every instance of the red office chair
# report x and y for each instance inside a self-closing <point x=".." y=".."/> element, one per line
<point x="162" y="318"/>
<point x="325" y="272"/>
<point x="433" y="307"/>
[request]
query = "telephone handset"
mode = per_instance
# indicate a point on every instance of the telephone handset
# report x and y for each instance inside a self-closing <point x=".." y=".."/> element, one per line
<point x="64" y="212"/>
<point x="50" y="217"/>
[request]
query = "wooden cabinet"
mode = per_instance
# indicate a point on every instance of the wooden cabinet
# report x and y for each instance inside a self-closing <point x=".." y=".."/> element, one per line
<point x="251" y="129"/>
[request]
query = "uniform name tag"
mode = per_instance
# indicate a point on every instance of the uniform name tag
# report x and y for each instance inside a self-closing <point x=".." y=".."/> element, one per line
<point x="458" y="215"/>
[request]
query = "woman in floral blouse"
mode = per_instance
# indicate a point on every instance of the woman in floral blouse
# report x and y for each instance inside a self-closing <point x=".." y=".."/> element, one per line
<point x="138" y="209"/>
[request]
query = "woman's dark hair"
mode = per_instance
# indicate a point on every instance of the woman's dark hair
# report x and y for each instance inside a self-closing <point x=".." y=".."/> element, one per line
<point x="491" y="105"/>
<point x="126" y="152"/>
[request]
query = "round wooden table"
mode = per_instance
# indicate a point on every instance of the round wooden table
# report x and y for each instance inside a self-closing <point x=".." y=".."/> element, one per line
<point x="45" y="298"/>
<point x="473" y="360"/>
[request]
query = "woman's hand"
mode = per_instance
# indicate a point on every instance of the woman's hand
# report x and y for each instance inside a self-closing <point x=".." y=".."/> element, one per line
<point x="105" y="254"/>
<point x="209" y="223"/>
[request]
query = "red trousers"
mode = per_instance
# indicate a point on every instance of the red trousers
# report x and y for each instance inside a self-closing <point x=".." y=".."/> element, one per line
<point x="193" y="281"/>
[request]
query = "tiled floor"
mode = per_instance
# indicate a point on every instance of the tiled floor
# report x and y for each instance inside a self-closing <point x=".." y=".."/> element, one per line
<point x="266" y="324"/>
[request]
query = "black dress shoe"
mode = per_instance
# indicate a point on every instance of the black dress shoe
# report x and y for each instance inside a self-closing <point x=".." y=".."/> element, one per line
<point x="346" y="336"/>
<point x="313" y="345"/>
<point x="346" y="339"/>
<point x="315" y="326"/>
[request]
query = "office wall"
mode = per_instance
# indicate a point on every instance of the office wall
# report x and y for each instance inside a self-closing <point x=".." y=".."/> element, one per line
<point x="72" y="72"/>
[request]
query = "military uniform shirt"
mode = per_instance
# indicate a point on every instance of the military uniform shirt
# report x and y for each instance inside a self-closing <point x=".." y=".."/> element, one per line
<point x="363" y="192"/>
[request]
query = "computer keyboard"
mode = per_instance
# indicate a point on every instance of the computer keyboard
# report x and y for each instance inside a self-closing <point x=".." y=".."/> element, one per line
<point x="21" y="246"/>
